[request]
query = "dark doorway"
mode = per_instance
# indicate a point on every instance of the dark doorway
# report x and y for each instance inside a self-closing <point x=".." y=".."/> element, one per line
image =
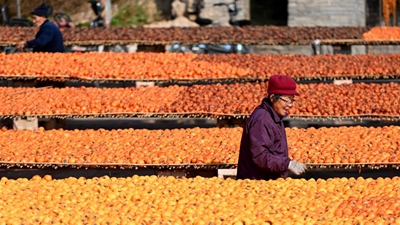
<point x="269" y="12"/>
<point x="374" y="14"/>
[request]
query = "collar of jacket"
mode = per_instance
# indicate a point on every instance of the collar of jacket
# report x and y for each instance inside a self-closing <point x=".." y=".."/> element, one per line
<point x="268" y="107"/>
<point x="47" y="20"/>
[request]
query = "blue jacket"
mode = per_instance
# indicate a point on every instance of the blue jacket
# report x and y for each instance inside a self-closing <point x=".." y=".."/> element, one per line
<point x="48" y="39"/>
<point x="263" y="149"/>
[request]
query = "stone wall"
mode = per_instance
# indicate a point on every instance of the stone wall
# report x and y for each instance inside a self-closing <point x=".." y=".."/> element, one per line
<point x="282" y="49"/>
<point x="220" y="15"/>
<point x="327" y="13"/>
<point x="383" y="49"/>
<point x="325" y="49"/>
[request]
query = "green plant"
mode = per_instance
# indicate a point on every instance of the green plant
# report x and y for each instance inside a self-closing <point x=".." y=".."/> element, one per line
<point x="158" y="16"/>
<point x="131" y="14"/>
<point x="86" y="24"/>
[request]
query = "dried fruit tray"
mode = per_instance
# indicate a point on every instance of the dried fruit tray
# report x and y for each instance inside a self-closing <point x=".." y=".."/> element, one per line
<point x="336" y="147"/>
<point x="265" y="35"/>
<point x="169" y="67"/>
<point x="316" y="101"/>
<point x="206" y="115"/>
<point x="248" y="34"/>
<point x="47" y="199"/>
<point x="179" y="81"/>
<point x="32" y="165"/>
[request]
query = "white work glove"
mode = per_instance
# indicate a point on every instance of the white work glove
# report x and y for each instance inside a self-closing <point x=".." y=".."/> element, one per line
<point x="297" y="167"/>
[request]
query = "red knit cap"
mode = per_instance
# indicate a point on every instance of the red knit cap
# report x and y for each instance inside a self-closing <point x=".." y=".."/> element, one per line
<point x="281" y="85"/>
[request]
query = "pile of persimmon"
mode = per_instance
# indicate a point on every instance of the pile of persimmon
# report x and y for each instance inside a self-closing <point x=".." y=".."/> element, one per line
<point x="161" y="66"/>
<point x="344" y="145"/>
<point x="315" y="100"/>
<point x="169" y="200"/>
<point x="128" y="146"/>
<point x="383" y="33"/>
<point x="248" y="34"/>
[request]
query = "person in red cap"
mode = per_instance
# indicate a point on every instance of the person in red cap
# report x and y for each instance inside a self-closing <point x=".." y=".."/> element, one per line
<point x="48" y="38"/>
<point x="263" y="149"/>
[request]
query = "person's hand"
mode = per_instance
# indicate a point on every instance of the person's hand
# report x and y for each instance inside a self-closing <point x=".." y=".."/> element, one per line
<point x="297" y="167"/>
<point x="21" y="45"/>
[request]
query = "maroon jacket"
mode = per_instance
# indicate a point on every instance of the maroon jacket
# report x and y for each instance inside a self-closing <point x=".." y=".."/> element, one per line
<point x="263" y="148"/>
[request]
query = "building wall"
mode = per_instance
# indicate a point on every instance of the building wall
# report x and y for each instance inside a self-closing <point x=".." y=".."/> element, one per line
<point x="327" y="13"/>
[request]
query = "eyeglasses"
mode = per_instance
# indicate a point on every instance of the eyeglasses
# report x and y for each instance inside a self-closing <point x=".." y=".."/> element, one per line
<point x="287" y="101"/>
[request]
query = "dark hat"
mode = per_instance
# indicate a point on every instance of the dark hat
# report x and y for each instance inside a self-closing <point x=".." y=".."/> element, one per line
<point x="41" y="10"/>
<point x="281" y="85"/>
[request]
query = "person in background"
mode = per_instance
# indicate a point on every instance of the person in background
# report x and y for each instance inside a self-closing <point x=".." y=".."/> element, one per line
<point x="263" y="149"/>
<point x="48" y="38"/>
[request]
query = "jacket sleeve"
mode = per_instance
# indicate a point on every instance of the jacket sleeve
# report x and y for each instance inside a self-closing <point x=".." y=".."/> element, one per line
<point x="261" y="147"/>
<point x="44" y="37"/>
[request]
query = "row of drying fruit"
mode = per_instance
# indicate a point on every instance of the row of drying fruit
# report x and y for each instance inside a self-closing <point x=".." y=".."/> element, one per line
<point x="209" y="34"/>
<point x="169" y="200"/>
<point x="172" y="66"/>
<point x="379" y="100"/>
<point x="382" y="33"/>
<point x="341" y="145"/>
<point x="247" y="34"/>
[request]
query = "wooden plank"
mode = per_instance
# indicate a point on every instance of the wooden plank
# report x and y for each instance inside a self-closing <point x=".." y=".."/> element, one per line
<point x="344" y="81"/>
<point x="225" y="173"/>
<point x="145" y="84"/>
